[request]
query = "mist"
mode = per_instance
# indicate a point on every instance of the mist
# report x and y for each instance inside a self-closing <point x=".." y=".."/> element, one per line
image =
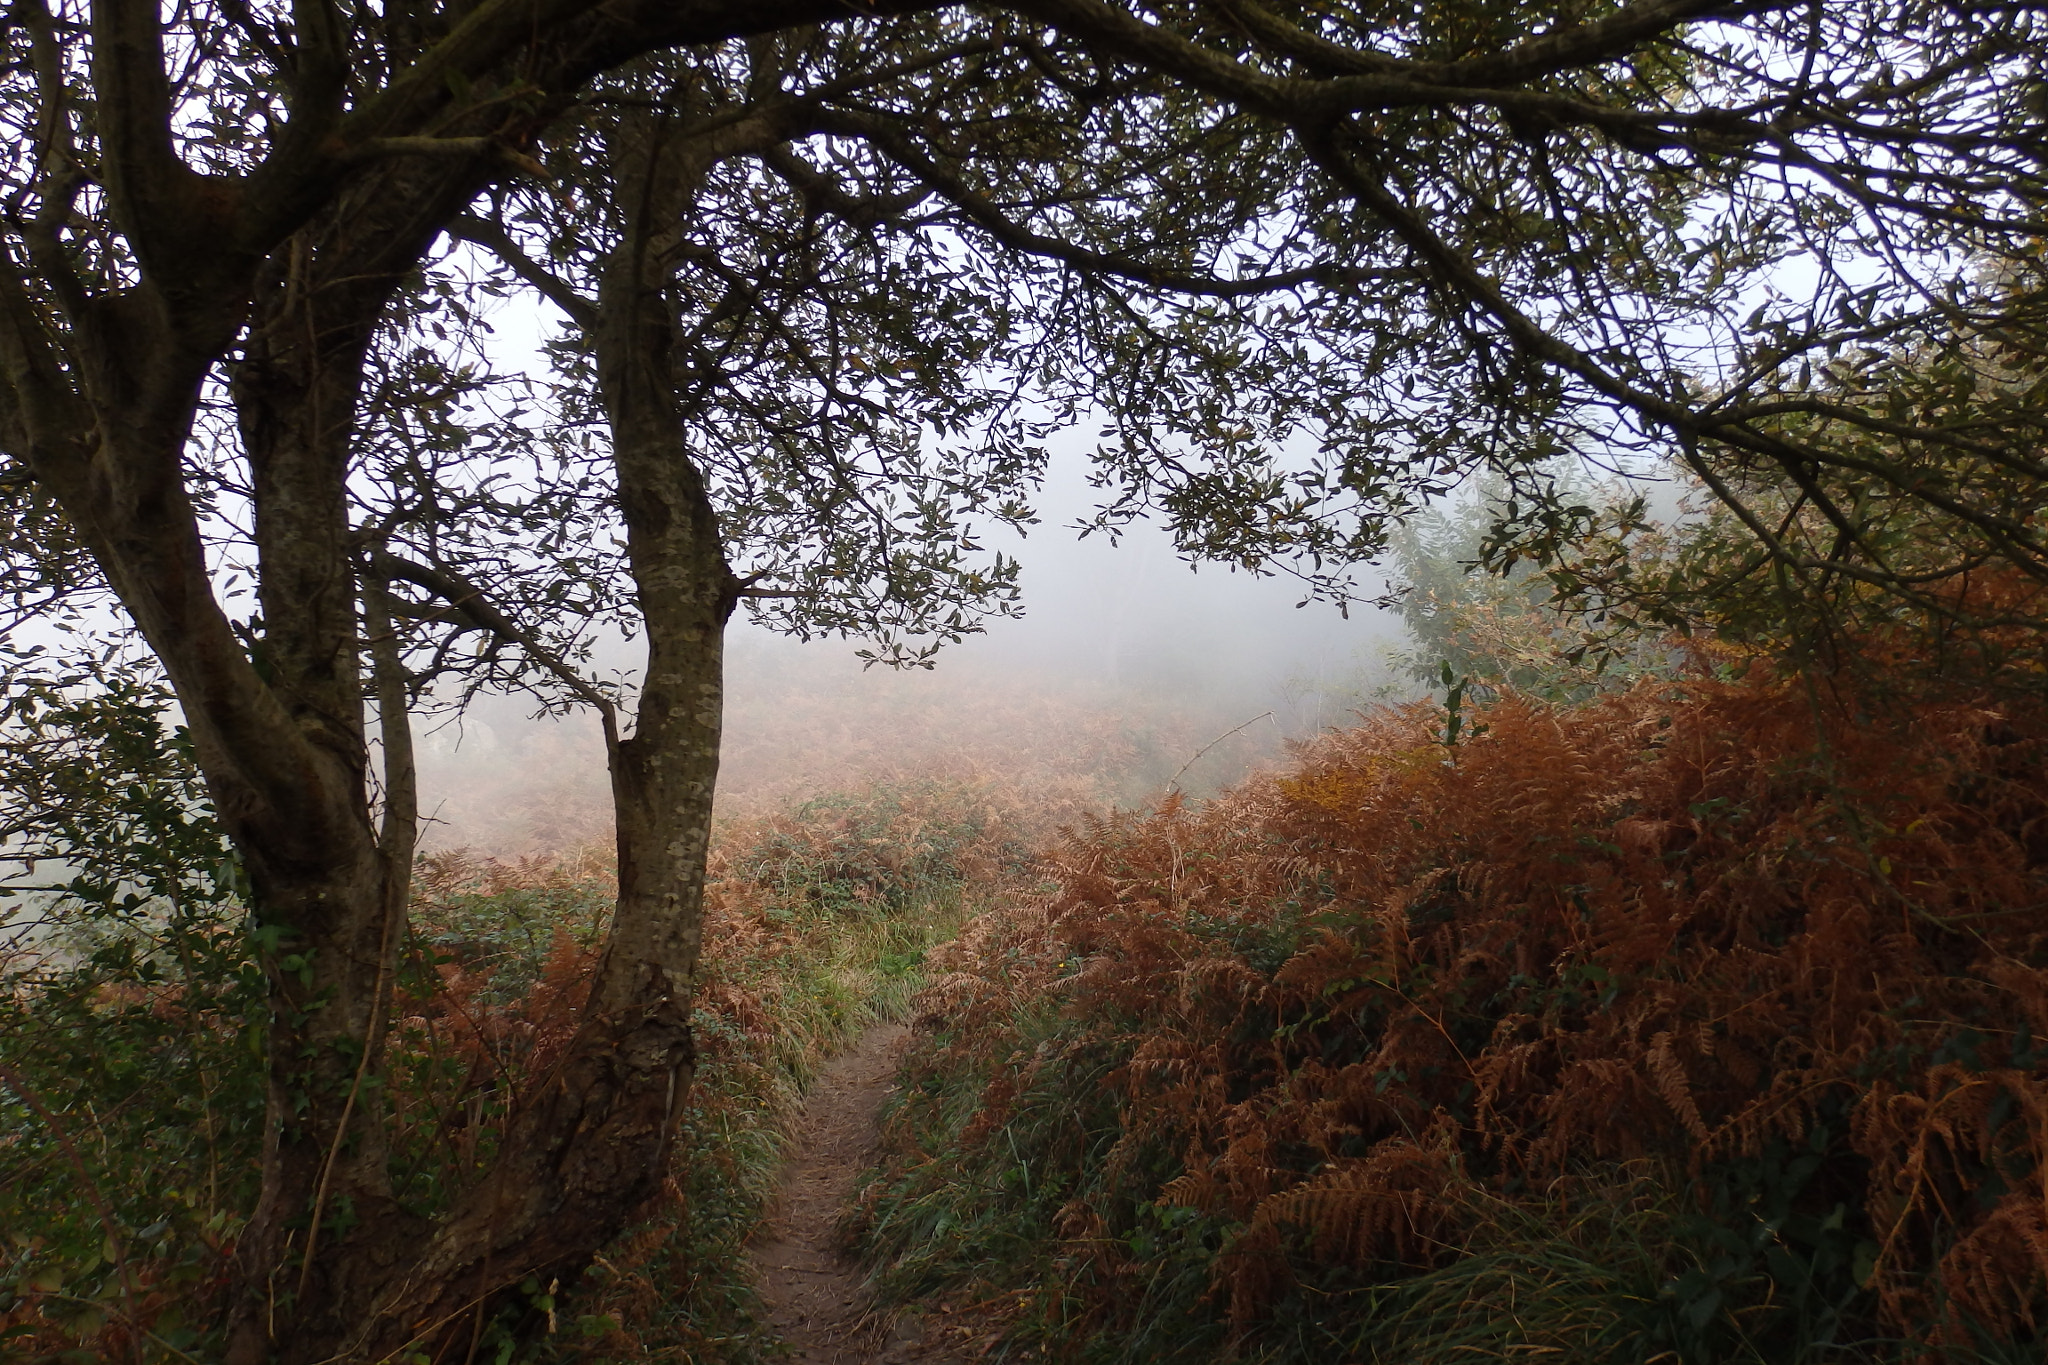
<point x="1130" y="672"/>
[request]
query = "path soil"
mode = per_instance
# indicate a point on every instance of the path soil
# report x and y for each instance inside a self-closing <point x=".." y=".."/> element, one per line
<point x="813" y="1291"/>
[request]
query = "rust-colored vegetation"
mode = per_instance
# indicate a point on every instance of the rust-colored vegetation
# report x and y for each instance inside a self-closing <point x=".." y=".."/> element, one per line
<point x="118" y="1220"/>
<point x="1705" y="1021"/>
<point x="1037" y="743"/>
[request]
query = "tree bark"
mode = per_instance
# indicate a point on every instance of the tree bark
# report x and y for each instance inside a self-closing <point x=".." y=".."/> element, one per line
<point x="99" y="384"/>
<point x="326" y="1235"/>
<point x="592" y="1142"/>
<point x="280" y="735"/>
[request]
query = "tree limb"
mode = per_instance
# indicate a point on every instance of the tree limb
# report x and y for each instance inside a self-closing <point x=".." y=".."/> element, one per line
<point x="889" y="137"/>
<point x="459" y="592"/>
<point x="493" y="237"/>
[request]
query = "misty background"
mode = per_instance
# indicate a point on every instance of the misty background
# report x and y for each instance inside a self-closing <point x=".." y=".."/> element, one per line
<point x="1130" y="670"/>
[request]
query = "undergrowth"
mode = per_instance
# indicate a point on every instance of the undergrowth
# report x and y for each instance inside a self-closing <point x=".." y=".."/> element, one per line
<point x="1697" y="1024"/>
<point x="818" y="923"/>
<point x="131" y="1091"/>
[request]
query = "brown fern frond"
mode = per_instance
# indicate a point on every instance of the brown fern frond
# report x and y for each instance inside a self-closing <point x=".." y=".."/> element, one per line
<point x="1669" y="1073"/>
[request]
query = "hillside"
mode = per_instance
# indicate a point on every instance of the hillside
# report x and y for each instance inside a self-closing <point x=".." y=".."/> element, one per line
<point x="1694" y="1023"/>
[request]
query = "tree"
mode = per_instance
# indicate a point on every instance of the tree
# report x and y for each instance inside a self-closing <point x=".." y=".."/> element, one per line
<point x="1491" y="632"/>
<point x="321" y="154"/>
<point x="1787" y="247"/>
<point x="1316" y="263"/>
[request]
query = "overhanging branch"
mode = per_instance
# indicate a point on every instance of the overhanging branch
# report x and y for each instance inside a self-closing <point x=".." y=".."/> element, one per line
<point x="466" y="597"/>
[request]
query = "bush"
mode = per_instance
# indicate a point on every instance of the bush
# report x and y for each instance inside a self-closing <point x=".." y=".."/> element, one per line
<point x="131" y="1024"/>
<point x="1765" y="967"/>
<point x="132" y="1094"/>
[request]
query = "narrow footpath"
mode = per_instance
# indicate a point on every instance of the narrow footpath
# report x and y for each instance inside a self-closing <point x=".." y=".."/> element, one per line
<point x="814" y="1292"/>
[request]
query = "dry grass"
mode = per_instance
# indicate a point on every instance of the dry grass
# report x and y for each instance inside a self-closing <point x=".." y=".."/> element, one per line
<point x="1050" y="748"/>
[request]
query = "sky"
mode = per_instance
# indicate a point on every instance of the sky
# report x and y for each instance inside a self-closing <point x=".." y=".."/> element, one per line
<point x="1130" y="672"/>
<point x="1124" y="638"/>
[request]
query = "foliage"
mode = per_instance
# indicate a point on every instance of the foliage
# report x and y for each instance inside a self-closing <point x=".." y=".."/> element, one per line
<point x="131" y="1022"/>
<point x="1701" y="1016"/>
<point x="1380" y="236"/>
<point x="1981" y="620"/>
<point x="94" y="781"/>
<point x="1309" y="266"/>
<point x="132" y="1011"/>
<point x="1503" y="629"/>
<point x="880" y="850"/>
<point x="1812" y="553"/>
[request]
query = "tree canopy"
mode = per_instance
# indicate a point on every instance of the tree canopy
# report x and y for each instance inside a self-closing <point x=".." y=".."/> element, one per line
<point x="829" y="277"/>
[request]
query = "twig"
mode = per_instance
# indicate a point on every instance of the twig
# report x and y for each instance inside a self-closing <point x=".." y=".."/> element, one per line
<point x="125" y="1317"/>
<point x="1263" y="715"/>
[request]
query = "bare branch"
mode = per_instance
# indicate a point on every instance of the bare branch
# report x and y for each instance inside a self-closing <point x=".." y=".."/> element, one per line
<point x="493" y="237"/>
<point x="460" y="593"/>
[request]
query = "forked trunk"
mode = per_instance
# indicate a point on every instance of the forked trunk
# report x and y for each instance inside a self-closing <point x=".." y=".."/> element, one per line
<point x="99" y="384"/>
<point x="590" y="1142"/>
<point x="330" y="1268"/>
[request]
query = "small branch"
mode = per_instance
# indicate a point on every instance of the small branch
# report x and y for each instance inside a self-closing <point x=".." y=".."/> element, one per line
<point x="826" y="193"/>
<point x="493" y="237"/>
<point x="1264" y="715"/>
<point x="460" y="593"/>
<point x="892" y="140"/>
<point x="150" y="187"/>
<point x="237" y="13"/>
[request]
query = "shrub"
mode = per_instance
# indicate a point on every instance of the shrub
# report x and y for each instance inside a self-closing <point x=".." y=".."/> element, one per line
<point x="131" y="1017"/>
<point x="1279" y="1069"/>
<point x="132" y="1095"/>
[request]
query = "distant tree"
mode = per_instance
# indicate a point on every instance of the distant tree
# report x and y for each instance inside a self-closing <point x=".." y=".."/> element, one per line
<point x="829" y="279"/>
<point x="1509" y="630"/>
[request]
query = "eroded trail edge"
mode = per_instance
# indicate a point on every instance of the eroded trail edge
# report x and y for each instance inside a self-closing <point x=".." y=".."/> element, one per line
<point x="814" y="1292"/>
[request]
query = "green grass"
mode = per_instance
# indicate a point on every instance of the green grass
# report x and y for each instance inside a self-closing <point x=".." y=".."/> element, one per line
<point x="849" y="933"/>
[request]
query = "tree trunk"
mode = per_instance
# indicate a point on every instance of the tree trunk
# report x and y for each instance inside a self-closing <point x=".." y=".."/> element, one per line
<point x="330" y="1268"/>
<point x="280" y="742"/>
<point x="326" y="1235"/>
<point x="592" y="1142"/>
<point x="100" y="403"/>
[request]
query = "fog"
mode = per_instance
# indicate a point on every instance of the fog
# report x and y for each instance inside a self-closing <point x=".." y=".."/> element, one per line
<point x="1130" y="671"/>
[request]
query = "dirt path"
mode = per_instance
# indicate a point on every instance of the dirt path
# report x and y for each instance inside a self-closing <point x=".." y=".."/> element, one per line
<point x="814" y="1294"/>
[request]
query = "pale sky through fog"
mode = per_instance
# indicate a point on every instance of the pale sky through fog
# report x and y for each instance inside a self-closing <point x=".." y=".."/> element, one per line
<point x="1127" y="633"/>
<point x="1125" y="656"/>
<point x="1134" y="615"/>
<point x="1123" y="640"/>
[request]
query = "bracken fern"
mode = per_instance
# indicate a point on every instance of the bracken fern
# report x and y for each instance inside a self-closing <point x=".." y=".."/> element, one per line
<point x="1783" y="944"/>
